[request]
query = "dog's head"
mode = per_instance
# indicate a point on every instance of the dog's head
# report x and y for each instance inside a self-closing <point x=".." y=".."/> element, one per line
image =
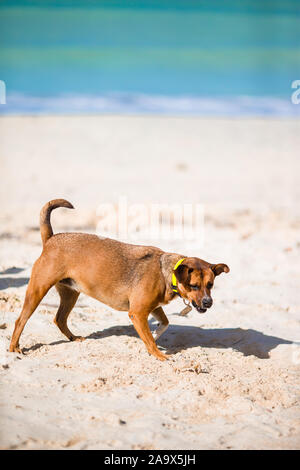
<point x="195" y="279"/>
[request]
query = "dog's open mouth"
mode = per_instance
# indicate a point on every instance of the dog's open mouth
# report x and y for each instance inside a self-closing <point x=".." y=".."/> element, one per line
<point x="199" y="309"/>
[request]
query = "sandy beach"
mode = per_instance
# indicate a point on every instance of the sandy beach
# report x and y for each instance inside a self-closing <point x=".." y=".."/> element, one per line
<point x="233" y="378"/>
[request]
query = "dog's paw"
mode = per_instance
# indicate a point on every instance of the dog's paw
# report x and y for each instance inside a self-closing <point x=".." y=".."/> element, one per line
<point x="77" y="338"/>
<point x="159" y="355"/>
<point x="16" y="349"/>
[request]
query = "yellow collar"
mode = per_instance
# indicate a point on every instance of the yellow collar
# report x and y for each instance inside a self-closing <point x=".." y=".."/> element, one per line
<point x="174" y="280"/>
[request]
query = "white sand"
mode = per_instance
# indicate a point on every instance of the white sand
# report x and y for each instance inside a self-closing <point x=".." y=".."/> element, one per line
<point x="233" y="380"/>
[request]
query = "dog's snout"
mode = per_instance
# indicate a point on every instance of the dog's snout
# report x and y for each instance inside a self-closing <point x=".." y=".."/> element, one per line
<point x="207" y="302"/>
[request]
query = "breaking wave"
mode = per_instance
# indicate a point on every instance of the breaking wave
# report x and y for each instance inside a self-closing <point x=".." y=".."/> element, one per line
<point x="135" y="103"/>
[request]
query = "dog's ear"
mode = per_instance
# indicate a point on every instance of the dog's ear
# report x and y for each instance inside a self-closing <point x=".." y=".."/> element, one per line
<point x="219" y="268"/>
<point x="182" y="273"/>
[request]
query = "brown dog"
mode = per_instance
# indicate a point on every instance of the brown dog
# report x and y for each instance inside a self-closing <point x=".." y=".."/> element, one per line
<point x="126" y="277"/>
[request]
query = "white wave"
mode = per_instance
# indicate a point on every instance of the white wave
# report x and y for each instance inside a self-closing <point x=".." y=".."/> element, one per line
<point x="137" y="103"/>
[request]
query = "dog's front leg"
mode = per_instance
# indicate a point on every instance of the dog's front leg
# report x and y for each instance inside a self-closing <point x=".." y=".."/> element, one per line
<point x="140" y="323"/>
<point x="163" y="322"/>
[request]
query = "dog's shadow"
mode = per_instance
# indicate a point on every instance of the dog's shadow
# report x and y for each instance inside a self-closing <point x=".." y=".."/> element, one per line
<point x="6" y="282"/>
<point x="180" y="337"/>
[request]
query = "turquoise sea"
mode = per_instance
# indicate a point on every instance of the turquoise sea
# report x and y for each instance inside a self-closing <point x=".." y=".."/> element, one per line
<point x="234" y="57"/>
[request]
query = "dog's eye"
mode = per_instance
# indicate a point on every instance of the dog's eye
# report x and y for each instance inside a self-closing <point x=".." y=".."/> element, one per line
<point x="194" y="287"/>
<point x="209" y="285"/>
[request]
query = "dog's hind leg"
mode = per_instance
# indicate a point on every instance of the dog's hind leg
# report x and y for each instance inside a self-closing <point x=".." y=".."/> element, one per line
<point x="37" y="288"/>
<point x="68" y="298"/>
<point x="163" y="322"/>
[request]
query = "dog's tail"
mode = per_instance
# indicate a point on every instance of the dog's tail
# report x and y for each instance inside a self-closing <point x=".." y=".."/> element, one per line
<point x="45" y="225"/>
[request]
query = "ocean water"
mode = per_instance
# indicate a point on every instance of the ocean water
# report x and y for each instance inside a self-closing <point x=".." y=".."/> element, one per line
<point x="176" y="57"/>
